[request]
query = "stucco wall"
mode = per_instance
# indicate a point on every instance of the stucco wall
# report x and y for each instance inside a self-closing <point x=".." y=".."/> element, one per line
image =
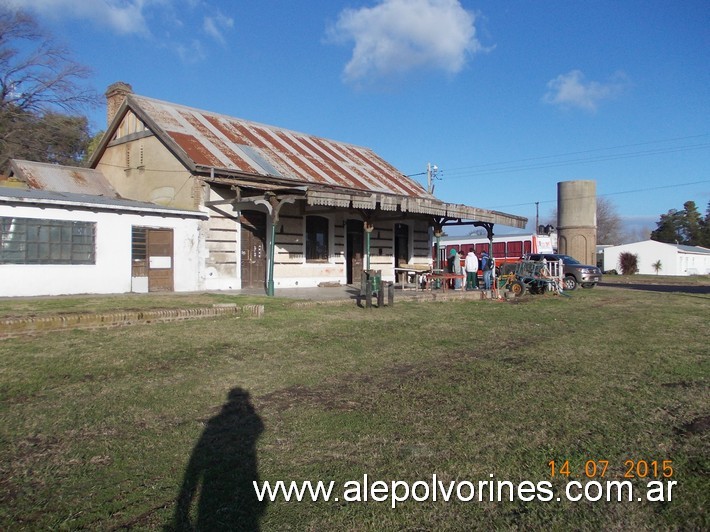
<point x="143" y="169"/>
<point x="112" y="271"/>
<point x="222" y="250"/>
<point x="576" y="220"/>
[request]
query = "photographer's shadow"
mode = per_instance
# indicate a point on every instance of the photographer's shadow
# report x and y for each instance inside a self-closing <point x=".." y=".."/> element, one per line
<point x="224" y="465"/>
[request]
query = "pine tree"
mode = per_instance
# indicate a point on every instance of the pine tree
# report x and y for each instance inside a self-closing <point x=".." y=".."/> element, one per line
<point x="686" y="226"/>
<point x="668" y="228"/>
<point x="705" y="229"/>
<point x="691" y="224"/>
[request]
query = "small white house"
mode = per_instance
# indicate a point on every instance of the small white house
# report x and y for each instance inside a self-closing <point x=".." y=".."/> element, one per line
<point x="675" y="259"/>
<point x="54" y="243"/>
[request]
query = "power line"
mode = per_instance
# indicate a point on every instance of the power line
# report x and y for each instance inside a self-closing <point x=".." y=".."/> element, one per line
<point x="636" y="191"/>
<point x="556" y="164"/>
<point x="530" y="164"/>
<point x="586" y="151"/>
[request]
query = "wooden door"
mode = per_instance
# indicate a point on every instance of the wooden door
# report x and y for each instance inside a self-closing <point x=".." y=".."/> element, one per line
<point x="253" y="249"/>
<point x="159" y="244"/>
<point x="401" y="244"/>
<point x="354" y="249"/>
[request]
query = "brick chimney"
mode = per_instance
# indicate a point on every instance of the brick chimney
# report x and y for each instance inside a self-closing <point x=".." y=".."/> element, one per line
<point x="115" y="94"/>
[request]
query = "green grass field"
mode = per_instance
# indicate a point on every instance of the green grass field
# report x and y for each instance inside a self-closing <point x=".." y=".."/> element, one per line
<point x="166" y="426"/>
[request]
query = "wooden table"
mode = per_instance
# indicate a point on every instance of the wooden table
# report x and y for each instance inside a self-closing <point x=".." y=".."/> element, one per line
<point x="403" y="273"/>
<point x="445" y="276"/>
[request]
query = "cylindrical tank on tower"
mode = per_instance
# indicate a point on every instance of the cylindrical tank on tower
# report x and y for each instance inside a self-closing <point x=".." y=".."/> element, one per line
<point x="577" y="220"/>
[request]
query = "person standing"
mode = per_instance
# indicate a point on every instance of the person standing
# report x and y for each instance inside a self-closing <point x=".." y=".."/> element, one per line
<point x="471" y="266"/>
<point x="451" y="265"/>
<point x="458" y="270"/>
<point x="487" y="265"/>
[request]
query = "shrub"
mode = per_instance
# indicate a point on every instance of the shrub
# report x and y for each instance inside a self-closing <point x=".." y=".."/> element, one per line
<point x="628" y="263"/>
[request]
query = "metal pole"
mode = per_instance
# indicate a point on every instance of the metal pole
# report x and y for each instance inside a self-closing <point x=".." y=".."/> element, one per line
<point x="438" y="257"/>
<point x="367" y="244"/>
<point x="272" y="249"/>
<point x="438" y="252"/>
<point x="537" y="217"/>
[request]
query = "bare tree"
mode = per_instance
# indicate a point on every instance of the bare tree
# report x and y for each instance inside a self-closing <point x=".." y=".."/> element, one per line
<point x="35" y="80"/>
<point x="43" y="78"/>
<point x="636" y="234"/>
<point x="609" y="225"/>
<point x="609" y="229"/>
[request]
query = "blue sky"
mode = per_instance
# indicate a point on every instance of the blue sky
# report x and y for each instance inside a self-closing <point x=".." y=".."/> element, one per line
<point x="507" y="98"/>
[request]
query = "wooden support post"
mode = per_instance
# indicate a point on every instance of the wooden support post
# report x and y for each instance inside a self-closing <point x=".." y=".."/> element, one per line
<point x="381" y="295"/>
<point x="368" y="293"/>
<point x="390" y="294"/>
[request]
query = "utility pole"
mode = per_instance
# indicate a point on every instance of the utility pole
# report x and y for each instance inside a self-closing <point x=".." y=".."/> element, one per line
<point x="537" y="217"/>
<point x="431" y="171"/>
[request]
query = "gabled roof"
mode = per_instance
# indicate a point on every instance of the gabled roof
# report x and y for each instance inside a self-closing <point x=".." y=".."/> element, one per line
<point x="221" y="148"/>
<point x="692" y="249"/>
<point x="682" y="248"/>
<point x="44" y="176"/>
<point x="204" y="140"/>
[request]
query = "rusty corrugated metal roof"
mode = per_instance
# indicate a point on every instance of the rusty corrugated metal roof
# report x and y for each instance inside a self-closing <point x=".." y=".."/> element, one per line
<point x="223" y="142"/>
<point x="55" y="178"/>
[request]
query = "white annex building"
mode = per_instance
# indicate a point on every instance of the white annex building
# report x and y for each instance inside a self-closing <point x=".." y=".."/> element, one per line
<point x="675" y="259"/>
<point x="66" y="243"/>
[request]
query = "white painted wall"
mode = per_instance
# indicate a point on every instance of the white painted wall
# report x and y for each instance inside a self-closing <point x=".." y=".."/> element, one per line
<point x="112" y="271"/>
<point x="695" y="263"/>
<point x="673" y="260"/>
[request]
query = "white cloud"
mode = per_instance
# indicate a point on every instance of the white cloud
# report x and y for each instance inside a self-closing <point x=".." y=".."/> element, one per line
<point x="214" y="26"/>
<point x="124" y="17"/>
<point x="400" y="36"/>
<point x="158" y="20"/>
<point x="191" y="53"/>
<point x="574" y="90"/>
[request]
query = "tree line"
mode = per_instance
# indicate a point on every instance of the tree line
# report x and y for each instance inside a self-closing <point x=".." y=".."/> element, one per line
<point x="685" y="226"/>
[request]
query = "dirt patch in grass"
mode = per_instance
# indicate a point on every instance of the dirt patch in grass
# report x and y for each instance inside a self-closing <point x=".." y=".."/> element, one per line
<point x="351" y="391"/>
<point x="344" y="393"/>
<point x="700" y="425"/>
<point x="684" y="384"/>
<point x="521" y="300"/>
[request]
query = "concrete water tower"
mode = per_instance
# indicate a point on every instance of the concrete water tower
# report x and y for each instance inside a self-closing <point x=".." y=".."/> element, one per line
<point x="577" y="220"/>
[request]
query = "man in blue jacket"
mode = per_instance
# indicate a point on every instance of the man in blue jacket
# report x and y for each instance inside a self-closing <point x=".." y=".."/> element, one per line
<point x="487" y="265"/>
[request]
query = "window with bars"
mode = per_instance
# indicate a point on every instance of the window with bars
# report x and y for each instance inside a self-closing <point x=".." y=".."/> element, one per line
<point x="35" y="241"/>
<point x="139" y="247"/>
